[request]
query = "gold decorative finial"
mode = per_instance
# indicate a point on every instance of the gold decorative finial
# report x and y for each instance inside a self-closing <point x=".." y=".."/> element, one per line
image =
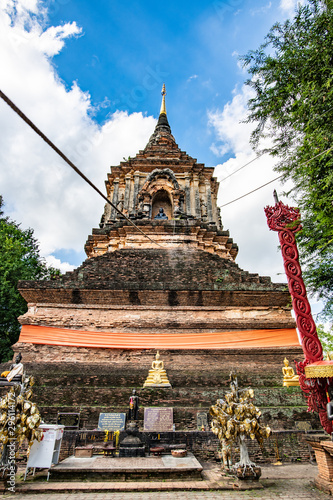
<point x="163" y="110"/>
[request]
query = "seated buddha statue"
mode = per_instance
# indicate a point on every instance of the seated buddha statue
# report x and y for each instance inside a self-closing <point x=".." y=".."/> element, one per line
<point x="157" y="376"/>
<point x="15" y="374"/>
<point x="289" y="377"/>
<point x="161" y="214"/>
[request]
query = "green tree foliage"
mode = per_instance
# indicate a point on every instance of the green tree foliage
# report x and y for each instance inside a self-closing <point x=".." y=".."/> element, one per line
<point x="19" y="260"/>
<point x="292" y="78"/>
<point x="326" y="338"/>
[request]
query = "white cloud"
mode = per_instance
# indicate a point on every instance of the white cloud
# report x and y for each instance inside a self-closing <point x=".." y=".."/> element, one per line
<point x="289" y="6"/>
<point x="261" y="10"/>
<point x="53" y="39"/>
<point x="239" y="62"/>
<point x="52" y="261"/>
<point x="228" y="128"/>
<point x="39" y="189"/>
<point x="245" y="218"/>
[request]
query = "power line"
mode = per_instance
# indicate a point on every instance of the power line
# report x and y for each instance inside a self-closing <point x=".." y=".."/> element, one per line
<point x="250" y="192"/>
<point x="276" y="178"/>
<point x="240" y="168"/>
<point x="71" y="164"/>
<point x="266" y="152"/>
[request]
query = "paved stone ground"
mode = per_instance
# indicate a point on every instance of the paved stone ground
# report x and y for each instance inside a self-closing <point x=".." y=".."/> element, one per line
<point x="293" y="489"/>
<point x="290" y="482"/>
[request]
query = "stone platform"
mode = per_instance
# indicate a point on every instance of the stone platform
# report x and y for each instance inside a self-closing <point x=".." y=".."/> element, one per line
<point x="100" y="468"/>
<point x="211" y="478"/>
<point x="290" y="481"/>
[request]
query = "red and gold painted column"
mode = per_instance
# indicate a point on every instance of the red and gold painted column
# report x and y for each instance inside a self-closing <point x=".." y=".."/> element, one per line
<point x="286" y="221"/>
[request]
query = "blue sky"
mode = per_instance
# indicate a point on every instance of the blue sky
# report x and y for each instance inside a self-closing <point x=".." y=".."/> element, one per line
<point x="127" y="49"/>
<point x="89" y="74"/>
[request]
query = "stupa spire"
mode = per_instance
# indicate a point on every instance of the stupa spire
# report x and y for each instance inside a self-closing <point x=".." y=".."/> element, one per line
<point x="162" y="119"/>
<point x="163" y="109"/>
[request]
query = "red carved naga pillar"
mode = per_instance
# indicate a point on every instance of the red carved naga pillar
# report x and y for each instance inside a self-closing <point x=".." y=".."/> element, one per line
<point x="286" y="221"/>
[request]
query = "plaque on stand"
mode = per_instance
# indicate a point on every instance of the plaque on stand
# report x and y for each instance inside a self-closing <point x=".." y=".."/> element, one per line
<point x="158" y="419"/>
<point x="111" y="421"/>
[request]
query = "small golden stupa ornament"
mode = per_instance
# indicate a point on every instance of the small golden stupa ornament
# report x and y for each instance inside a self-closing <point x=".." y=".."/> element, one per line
<point x="289" y="377"/>
<point x="157" y="376"/>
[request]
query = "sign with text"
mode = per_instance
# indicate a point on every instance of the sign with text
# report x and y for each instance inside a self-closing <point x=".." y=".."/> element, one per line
<point x="69" y="420"/>
<point x="111" y="421"/>
<point x="158" y="419"/>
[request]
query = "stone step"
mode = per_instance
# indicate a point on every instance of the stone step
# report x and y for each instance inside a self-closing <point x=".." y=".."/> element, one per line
<point x="175" y="397"/>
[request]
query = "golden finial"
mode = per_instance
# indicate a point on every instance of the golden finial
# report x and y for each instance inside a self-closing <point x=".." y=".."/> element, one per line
<point x="163" y="110"/>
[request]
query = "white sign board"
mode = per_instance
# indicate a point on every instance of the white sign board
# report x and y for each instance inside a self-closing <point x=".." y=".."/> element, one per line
<point x="46" y="452"/>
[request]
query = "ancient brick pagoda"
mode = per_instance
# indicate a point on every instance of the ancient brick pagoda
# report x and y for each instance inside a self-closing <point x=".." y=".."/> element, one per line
<point x="182" y="281"/>
<point x="97" y="328"/>
<point x="162" y="176"/>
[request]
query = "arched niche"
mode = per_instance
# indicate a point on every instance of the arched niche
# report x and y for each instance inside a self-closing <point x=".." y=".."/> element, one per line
<point x="161" y="173"/>
<point x="162" y="199"/>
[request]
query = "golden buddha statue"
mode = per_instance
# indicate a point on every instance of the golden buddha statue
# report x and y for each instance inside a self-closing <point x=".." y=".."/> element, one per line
<point x="289" y="377"/>
<point x="157" y="376"/>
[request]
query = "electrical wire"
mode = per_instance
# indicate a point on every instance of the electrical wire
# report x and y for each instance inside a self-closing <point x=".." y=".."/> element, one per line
<point x="266" y="152"/>
<point x="71" y="164"/>
<point x="250" y="192"/>
<point x="276" y="178"/>
<point x="243" y="166"/>
<point x="64" y="157"/>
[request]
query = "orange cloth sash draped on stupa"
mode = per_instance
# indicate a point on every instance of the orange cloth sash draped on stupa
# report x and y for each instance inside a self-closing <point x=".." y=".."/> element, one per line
<point x="215" y="340"/>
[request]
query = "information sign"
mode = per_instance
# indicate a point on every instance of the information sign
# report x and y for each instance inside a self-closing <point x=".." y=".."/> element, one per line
<point x="111" y="421"/>
<point x="158" y="419"/>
